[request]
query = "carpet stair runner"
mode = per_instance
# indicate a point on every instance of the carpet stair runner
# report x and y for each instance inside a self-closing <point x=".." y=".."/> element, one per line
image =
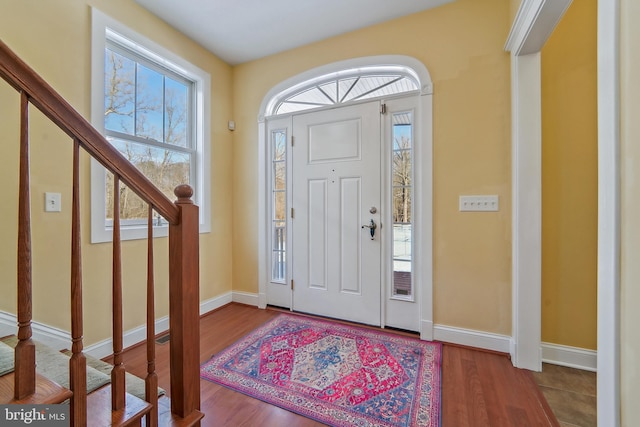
<point x="52" y="386"/>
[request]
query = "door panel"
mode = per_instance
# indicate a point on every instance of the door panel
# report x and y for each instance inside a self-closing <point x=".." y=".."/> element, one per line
<point x="350" y="234"/>
<point x="317" y="247"/>
<point x="336" y="180"/>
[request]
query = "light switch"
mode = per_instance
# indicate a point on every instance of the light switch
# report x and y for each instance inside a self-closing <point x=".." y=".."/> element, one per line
<point x="53" y="202"/>
<point x="479" y="204"/>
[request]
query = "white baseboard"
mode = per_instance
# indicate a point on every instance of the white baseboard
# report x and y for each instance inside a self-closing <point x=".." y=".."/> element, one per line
<point x="246" y="298"/>
<point x="471" y="338"/>
<point x="214" y="303"/>
<point x="133" y="336"/>
<point x="572" y="357"/>
<point x="60" y="339"/>
<point x="139" y="334"/>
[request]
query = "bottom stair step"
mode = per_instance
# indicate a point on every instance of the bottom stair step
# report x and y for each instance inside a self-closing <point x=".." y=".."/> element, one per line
<point x="47" y="391"/>
<point x="167" y="419"/>
<point x="99" y="413"/>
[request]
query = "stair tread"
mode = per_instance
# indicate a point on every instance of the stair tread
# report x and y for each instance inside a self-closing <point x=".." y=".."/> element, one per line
<point x="100" y="413"/>
<point x="167" y="419"/>
<point x="47" y="391"/>
<point x="55" y="365"/>
<point x="135" y="385"/>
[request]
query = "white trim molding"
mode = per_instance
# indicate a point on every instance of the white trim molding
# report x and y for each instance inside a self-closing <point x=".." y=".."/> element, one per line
<point x="104" y="28"/>
<point x="526" y="189"/>
<point x="572" y="357"/>
<point x="472" y="338"/>
<point x="609" y="399"/>
<point x="131" y="337"/>
<point x="139" y="334"/>
<point x="60" y="339"/>
<point x="534" y="23"/>
<point x="247" y="298"/>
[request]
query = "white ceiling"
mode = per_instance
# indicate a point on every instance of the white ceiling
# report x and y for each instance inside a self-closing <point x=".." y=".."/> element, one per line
<point x="238" y="31"/>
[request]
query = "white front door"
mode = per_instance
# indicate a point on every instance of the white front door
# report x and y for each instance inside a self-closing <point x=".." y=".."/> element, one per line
<point x="335" y="192"/>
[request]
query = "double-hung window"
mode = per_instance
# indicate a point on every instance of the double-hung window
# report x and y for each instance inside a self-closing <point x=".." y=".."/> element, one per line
<point x="150" y="106"/>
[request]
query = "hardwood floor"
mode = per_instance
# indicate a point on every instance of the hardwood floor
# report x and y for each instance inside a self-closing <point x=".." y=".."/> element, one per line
<point x="478" y="388"/>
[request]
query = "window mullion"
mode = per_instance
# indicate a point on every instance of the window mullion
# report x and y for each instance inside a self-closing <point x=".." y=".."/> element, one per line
<point x="355" y="82"/>
<point x="135" y="100"/>
<point x="164" y="108"/>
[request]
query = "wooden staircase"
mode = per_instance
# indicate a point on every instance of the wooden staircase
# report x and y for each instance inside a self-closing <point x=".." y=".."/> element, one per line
<point x="109" y="404"/>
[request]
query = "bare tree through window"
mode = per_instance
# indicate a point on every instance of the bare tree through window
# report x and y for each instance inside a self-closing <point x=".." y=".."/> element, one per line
<point x="402" y="191"/>
<point x="146" y="117"/>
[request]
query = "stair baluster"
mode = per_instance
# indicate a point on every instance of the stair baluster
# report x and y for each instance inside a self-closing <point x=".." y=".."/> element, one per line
<point x="25" y="353"/>
<point x="78" y="362"/>
<point x="118" y="371"/>
<point x="151" y="381"/>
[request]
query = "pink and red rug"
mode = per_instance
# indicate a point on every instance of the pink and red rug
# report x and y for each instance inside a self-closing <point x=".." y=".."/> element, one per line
<point x="337" y="374"/>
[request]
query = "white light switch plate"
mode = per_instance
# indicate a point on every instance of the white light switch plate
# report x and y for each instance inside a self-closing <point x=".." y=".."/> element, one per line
<point x="479" y="204"/>
<point x="53" y="202"/>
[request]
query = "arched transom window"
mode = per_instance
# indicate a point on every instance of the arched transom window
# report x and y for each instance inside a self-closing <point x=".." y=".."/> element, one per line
<point x="345" y="87"/>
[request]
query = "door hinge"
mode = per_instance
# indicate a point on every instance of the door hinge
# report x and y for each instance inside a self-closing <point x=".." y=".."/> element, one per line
<point x="291" y="284"/>
<point x="383" y="108"/>
<point x="292" y="142"/>
<point x="292" y="213"/>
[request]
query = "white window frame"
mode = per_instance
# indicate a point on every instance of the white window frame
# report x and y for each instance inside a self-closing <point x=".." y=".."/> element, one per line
<point x="106" y="28"/>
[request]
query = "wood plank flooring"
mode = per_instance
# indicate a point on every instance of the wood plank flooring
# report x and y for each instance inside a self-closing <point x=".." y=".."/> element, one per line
<point x="478" y="388"/>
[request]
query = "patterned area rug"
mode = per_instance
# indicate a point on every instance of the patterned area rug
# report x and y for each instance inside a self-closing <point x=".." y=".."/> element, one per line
<point x="336" y="374"/>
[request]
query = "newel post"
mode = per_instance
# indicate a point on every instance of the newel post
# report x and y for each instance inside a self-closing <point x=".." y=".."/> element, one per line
<point x="184" y="305"/>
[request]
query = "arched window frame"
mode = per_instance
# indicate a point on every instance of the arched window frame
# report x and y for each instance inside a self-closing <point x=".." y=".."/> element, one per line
<point x="400" y="76"/>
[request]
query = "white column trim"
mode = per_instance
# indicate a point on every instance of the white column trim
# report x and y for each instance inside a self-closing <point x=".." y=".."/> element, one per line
<point x="609" y="213"/>
<point x="263" y="252"/>
<point x="534" y="23"/>
<point x="526" y="185"/>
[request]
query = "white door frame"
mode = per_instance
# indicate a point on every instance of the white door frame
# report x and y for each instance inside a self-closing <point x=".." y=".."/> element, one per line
<point x="534" y="23"/>
<point x="609" y="213"/>
<point x="424" y="234"/>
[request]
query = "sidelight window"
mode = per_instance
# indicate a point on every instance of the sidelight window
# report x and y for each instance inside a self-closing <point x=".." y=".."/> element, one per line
<point x="279" y="205"/>
<point x="402" y="208"/>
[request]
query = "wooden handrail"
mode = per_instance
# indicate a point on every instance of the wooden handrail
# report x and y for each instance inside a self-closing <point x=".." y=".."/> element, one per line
<point x="24" y="79"/>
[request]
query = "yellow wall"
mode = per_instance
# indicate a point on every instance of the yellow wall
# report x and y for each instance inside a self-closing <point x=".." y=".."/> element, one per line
<point x="569" y="180"/>
<point x="630" y="224"/>
<point x="462" y="46"/>
<point x="54" y="38"/>
<point x="515" y="5"/>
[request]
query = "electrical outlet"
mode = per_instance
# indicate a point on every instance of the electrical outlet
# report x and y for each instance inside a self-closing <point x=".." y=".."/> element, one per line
<point x="52" y="202"/>
<point x="479" y="204"/>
